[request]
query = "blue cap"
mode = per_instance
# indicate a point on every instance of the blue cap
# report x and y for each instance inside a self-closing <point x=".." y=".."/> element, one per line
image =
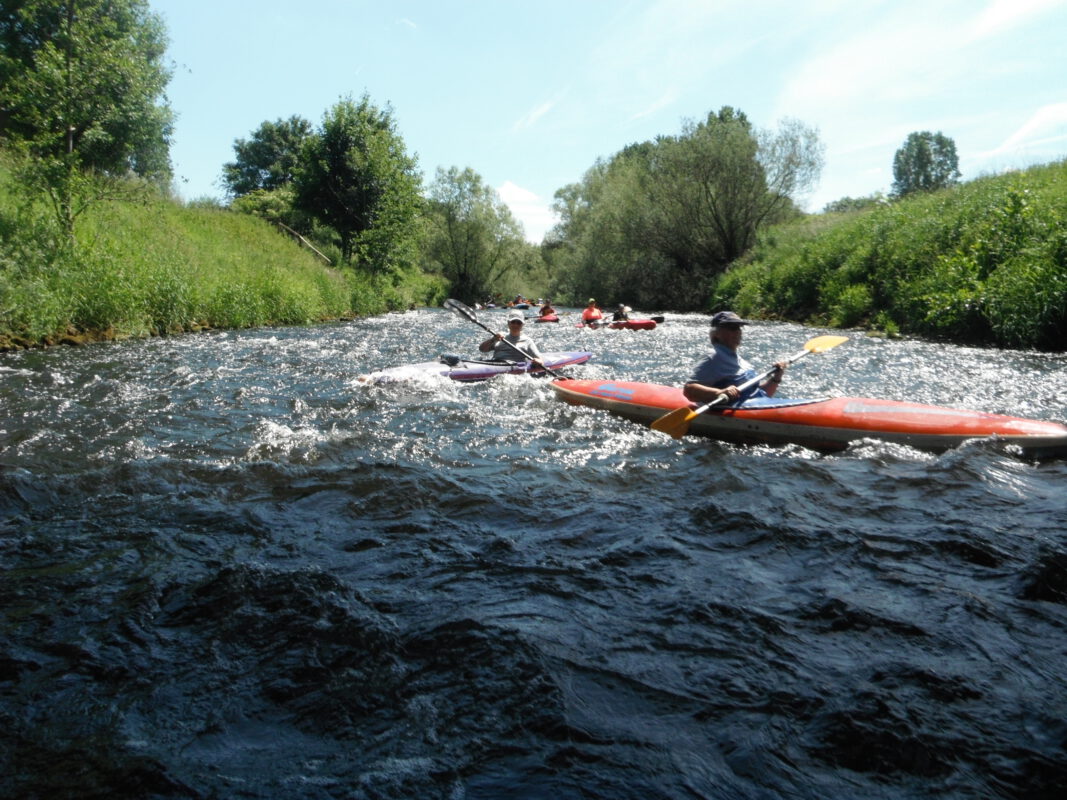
<point x="727" y="318"/>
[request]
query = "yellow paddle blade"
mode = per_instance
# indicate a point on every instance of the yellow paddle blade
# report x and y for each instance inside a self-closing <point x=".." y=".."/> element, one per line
<point x="674" y="423"/>
<point x="820" y="344"/>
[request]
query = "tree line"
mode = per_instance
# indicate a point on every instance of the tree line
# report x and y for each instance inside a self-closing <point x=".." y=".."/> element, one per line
<point x="83" y="107"/>
<point x="350" y="186"/>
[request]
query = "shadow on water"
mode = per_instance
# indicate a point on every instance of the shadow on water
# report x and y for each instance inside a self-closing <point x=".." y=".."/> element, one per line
<point x="231" y="569"/>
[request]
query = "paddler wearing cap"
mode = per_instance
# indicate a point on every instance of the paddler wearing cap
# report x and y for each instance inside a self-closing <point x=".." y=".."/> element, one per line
<point x="516" y="346"/>
<point x="723" y="370"/>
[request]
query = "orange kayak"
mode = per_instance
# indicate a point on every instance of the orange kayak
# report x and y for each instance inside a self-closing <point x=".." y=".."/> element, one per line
<point x="821" y="424"/>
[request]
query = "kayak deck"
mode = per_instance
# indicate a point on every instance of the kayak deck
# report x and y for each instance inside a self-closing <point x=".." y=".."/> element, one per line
<point x="821" y="424"/>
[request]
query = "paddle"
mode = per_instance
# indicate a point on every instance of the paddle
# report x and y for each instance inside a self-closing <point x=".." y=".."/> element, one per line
<point x="676" y="423"/>
<point x="462" y="310"/>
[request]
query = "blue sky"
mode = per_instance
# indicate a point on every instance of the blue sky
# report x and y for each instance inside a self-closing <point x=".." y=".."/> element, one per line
<point x="530" y="93"/>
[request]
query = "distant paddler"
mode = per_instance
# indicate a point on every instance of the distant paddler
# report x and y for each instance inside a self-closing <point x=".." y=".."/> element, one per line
<point x="591" y="314"/>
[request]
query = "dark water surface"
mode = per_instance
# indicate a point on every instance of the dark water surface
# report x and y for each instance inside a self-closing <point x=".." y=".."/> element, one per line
<point x="230" y="569"/>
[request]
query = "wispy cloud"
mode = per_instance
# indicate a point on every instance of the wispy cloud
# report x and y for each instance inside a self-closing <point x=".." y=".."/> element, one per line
<point x="1045" y="126"/>
<point x="528" y="208"/>
<point x="406" y="21"/>
<point x="534" y="114"/>
<point x="667" y="99"/>
<point x="1000" y="15"/>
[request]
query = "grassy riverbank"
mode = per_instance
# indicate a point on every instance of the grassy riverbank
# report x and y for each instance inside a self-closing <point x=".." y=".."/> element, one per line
<point x="158" y="266"/>
<point x="985" y="263"/>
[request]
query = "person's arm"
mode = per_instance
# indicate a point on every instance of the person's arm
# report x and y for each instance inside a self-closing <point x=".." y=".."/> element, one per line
<point x="702" y="393"/>
<point x="490" y="343"/>
<point x="530" y="346"/>
<point x="770" y="386"/>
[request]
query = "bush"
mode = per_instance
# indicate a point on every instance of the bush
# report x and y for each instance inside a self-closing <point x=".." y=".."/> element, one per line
<point x="985" y="262"/>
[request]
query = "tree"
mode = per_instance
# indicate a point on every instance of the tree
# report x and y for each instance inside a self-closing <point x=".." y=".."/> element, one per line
<point x="926" y="162"/>
<point x="81" y="96"/>
<point x="724" y="181"/>
<point x="844" y="205"/>
<point x="473" y="239"/>
<point x="268" y="159"/>
<point x="356" y="178"/>
<point x="662" y="218"/>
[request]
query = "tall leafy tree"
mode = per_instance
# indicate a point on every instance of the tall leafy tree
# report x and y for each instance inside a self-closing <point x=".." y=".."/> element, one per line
<point x="661" y="219"/>
<point x="82" y="87"/>
<point x="268" y="159"/>
<point x="356" y="177"/>
<point x="722" y="181"/>
<point x="926" y="162"/>
<point x="473" y="239"/>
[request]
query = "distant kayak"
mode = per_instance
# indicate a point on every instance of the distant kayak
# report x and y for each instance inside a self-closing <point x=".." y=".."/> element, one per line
<point x="629" y="324"/>
<point x="548" y="318"/>
<point x="633" y="325"/>
<point x="821" y="424"/>
<point x="459" y="369"/>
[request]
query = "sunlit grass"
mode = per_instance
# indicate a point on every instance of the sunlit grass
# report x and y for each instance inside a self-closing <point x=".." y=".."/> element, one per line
<point x="985" y="262"/>
<point x="159" y="267"/>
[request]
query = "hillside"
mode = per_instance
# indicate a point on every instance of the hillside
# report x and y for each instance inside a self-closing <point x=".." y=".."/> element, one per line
<point x="157" y="266"/>
<point x="984" y="262"/>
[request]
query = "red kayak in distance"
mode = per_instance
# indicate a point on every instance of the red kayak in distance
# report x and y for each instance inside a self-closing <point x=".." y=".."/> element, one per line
<point x="823" y="424"/>
<point x="548" y="318"/>
<point x="633" y="325"/>
<point x="621" y="325"/>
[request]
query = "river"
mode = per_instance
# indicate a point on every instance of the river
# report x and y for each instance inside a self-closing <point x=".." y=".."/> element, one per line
<point x="232" y="569"/>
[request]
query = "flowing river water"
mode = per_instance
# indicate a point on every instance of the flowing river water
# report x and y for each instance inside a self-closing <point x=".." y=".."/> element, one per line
<point x="231" y="569"/>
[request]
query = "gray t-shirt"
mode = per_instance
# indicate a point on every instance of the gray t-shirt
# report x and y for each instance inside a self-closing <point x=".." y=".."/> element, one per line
<point x="504" y="351"/>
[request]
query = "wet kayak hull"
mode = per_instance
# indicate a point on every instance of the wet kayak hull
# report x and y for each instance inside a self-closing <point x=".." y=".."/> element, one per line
<point x="823" y="424"/>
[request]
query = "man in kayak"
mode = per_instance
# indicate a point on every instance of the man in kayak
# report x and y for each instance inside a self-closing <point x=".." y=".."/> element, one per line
<point x="592" y="314"/>
<point x="516" y="346"/>
<point x="622" y="313"/>
<point x="723" y="370"/>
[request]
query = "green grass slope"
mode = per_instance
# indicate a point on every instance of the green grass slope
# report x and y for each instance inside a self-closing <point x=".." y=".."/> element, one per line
<point x="158" y="266"/>
<point x="984" y="262"/>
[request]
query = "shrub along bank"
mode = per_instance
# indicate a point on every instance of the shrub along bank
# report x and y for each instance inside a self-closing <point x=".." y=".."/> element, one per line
<point x="984" y="263"/>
